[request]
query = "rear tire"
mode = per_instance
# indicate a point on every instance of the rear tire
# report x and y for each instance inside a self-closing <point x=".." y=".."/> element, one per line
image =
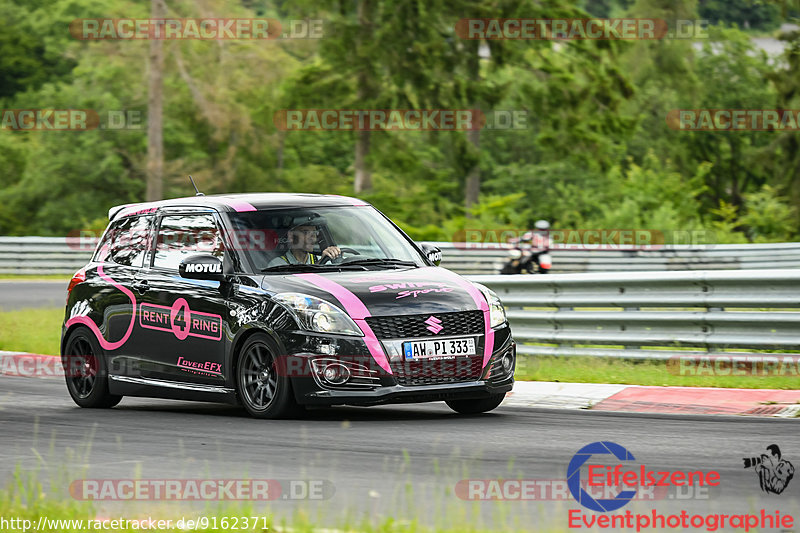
<point x="86" y="372"/>
<point x="263" y="392"/>
<point x="474" y="407"/>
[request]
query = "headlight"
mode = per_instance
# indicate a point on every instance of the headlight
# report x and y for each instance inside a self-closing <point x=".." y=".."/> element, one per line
<point x="315" y="314"/>
<point x="497" y="312"/>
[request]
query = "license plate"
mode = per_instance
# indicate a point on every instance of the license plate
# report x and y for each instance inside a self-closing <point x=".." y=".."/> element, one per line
<point x="443" y="348"/>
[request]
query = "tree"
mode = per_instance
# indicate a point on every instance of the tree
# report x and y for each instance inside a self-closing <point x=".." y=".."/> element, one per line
<point x="155" y="114"/>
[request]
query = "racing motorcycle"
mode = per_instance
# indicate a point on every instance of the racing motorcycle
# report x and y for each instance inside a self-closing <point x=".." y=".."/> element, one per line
<point x="531" y="252"/>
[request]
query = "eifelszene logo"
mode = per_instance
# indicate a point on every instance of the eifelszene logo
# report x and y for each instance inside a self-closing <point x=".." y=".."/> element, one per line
<point x="630" y="477"/>
<point x="574" y="476"/>
<point x="774" y="473"/>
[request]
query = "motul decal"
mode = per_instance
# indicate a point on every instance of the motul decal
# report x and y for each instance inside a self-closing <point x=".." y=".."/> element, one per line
<point x="204" y="267"/>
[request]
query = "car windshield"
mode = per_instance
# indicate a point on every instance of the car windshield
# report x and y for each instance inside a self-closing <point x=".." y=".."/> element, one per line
<point x="291" y="240"/>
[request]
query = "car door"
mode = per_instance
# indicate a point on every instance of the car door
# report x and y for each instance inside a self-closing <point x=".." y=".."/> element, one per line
<point x="186" y="319"/>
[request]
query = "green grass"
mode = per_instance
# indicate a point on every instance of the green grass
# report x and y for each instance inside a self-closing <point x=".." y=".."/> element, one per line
<point x="31" y="330"/>
<point x="26" y="497"/>
<point x="39" y="331"/>
<point x="603" y="370"/>
<point x="34" y="277"/>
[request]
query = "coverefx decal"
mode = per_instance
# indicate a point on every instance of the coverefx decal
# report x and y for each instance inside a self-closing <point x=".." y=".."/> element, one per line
<point x="180" y="320"/>
<point x="196" y="367"/>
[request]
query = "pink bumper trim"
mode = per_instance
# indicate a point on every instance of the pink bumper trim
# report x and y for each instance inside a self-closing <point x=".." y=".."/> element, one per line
<point x="480" y="301"/>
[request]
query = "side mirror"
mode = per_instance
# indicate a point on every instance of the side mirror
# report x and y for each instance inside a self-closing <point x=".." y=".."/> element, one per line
<point x="433" y="253"/>
<point x="204" y="266"/>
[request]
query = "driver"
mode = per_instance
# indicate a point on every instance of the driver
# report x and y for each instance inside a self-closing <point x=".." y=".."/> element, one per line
<point x="302" y="239"/>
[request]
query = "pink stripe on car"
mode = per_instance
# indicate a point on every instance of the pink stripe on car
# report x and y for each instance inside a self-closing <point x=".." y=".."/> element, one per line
<point x="238" y="205"/>
<point x="89" y="323"/>
<point x="480" y="301"/>
<point x="357" y="311"/>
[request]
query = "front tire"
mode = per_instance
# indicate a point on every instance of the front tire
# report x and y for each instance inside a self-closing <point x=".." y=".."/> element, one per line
<point x="86" y="372"/>
<point x="474" y="407"/>
<point x="263" y="392"/>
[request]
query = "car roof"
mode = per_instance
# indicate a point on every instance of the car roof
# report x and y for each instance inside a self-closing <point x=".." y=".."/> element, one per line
<point x="239" y="202"/>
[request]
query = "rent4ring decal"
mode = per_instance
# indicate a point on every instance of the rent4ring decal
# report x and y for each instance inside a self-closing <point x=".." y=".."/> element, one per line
<point x="180" y="320"/>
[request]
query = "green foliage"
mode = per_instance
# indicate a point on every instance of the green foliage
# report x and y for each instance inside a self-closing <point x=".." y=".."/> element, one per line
<point x="594" y="150"/>
<point x="754" y="14"/>
<point x="652" y="196"/>
<point x="769" y="217"/>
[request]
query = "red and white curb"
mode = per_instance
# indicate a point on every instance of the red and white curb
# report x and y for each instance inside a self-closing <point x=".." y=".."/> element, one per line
<point x="640" y="399"/>
<point x="559" y="395"/>
<point x="551" y="395"/>
<point x="30" y="365"/>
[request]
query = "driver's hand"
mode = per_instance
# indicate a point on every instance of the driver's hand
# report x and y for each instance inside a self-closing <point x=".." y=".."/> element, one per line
<point x="332" y="251"/>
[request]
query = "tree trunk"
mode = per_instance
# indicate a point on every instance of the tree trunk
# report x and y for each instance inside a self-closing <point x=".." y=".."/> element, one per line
<point x="363" y="174"/>
<point x="473" y="186"/>
<point x="155" y="134"/>
<point x="363" y="179"/>
<point x="472" y="189"/>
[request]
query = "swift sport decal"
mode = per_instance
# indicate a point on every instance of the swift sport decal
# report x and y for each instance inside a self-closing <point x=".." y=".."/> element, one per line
<point x="415" y="288"/>
<point x="181" y="321"/>
<point x="89" y="323"/>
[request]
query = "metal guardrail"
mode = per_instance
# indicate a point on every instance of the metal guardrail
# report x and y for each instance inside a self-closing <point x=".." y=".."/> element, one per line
<point x="652" y="315"/>
<point x="60" y="255"/>
<point x="634" y="315"/>
<point x="474" y="259"/>
<point x="44" y="255"/>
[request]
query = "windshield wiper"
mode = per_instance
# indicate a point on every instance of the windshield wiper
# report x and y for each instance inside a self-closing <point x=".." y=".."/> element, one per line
<point x="307" y="267"/>
<point x="382" y="262"/>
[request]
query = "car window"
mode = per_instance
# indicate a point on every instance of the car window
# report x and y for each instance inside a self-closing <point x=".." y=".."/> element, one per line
<point x="264" y="235"/>
<point x="126" y="241"/>
<point x="180" y="236"/>
<point x="350" y="231"/>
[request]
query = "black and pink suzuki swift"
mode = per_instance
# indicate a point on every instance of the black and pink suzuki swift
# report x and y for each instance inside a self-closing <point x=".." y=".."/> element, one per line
<point x="276" y="302"/>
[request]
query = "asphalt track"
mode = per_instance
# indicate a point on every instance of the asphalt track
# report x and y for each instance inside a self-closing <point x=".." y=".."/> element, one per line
<point x="393" y="461"/>
<point x="25" y="294"/>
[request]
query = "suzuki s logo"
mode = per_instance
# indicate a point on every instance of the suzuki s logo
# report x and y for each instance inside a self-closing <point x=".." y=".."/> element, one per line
<point x="434" y="324"/>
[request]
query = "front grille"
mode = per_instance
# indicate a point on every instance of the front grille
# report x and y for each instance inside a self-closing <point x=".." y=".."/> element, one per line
<point x="411" y="326"/>
<point x="460" y="369"/>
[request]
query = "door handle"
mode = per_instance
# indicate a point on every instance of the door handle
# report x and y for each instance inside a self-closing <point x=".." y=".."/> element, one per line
<point x="141" y="286"/>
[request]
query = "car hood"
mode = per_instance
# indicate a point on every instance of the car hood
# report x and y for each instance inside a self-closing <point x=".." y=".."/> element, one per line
<point x="385" y="292"/>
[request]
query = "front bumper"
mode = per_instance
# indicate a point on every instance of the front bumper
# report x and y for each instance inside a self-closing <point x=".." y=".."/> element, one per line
<point x="401" y="394"/>
<point x="389" y="388"/>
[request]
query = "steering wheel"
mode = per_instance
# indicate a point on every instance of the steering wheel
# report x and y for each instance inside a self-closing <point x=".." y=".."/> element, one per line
<point x="325" y="259"/>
